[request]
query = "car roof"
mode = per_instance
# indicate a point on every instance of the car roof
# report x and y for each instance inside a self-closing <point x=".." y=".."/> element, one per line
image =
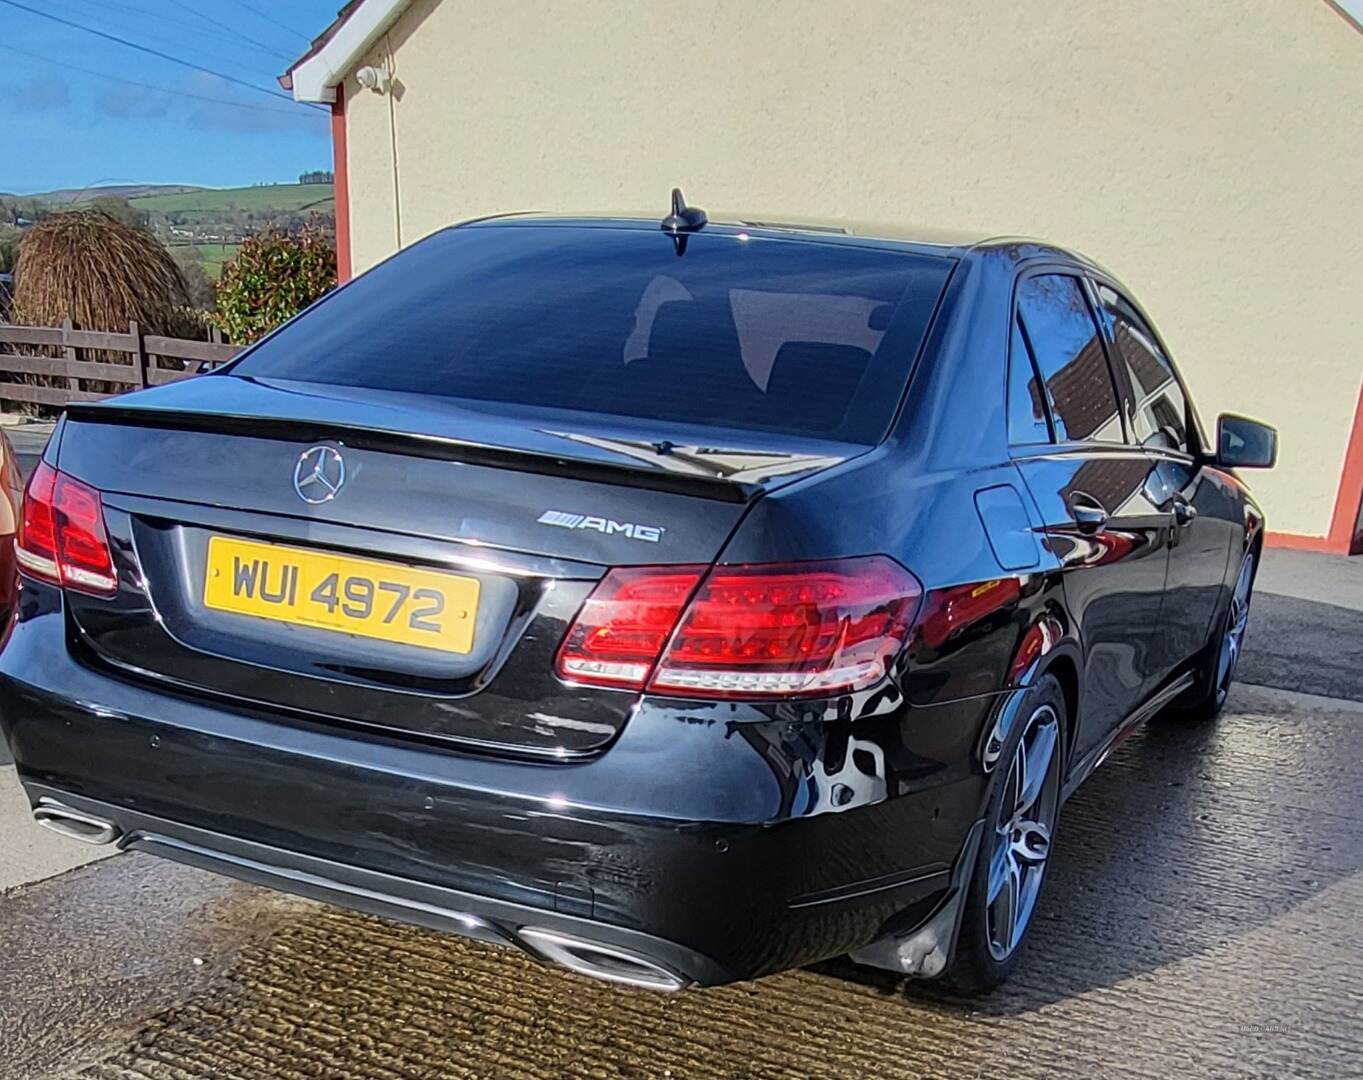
<point x="925" y="239"/>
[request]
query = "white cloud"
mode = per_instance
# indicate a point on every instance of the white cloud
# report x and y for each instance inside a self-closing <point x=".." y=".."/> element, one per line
<point x="260" y="114"/>
<point x="40" y="94"/>
<point x="124" y="101"/>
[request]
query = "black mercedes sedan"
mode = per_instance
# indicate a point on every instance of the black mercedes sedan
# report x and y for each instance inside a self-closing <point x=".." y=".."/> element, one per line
<point x="676" y="604"/>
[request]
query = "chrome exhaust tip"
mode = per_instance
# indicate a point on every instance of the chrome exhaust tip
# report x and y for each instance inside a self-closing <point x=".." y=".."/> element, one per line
<point x="605" y="962"/>
<point x="73" y="824"/>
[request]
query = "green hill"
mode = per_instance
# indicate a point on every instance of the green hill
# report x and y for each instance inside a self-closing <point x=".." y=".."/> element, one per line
<point x="203" y="225"/>
<point x="285" y="198"/>
<point x="63" y="197"/>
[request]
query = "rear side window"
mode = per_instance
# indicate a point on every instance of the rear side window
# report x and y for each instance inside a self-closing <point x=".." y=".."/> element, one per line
<point x="803" y="338"/>
<point x="1069" y="355"/>
<point x="1157" y="411"/>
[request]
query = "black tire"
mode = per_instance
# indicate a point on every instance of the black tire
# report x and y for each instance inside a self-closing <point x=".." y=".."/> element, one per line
<point x="1206" y="698"/>
<point x="977" y="967"/>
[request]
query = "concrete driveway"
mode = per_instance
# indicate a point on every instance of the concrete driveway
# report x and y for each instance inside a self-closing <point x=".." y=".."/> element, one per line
<point x="1201" y="919"/>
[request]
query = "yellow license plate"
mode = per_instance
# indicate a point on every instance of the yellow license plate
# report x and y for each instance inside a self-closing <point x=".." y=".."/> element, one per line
<point x="336" y="592"/>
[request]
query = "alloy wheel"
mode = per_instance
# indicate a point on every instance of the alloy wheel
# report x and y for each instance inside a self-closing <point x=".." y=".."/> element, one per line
<point x="1022" y="832"/>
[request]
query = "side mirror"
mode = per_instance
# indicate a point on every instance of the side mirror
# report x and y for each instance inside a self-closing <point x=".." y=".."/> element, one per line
<point x="1242" y="443"/>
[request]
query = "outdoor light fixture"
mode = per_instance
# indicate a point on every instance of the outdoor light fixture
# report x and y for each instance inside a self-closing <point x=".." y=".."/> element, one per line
<point x="372" y="78"/>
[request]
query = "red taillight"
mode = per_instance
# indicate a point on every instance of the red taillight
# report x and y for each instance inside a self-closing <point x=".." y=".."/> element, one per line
<point x="756" y="631"/>
<point x="36" y="544"/>
<point x="61" y="534"/>
<point x="625" y="623"/>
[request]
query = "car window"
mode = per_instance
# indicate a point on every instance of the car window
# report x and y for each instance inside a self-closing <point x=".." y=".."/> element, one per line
<point x="1069" y="355"/>
<point x="797" y="337"/>
<point x="1026" y="398"/>
<point x="1157" y="413"/>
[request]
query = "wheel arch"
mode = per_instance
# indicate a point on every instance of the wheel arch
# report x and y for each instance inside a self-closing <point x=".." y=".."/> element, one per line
<point x="1256" y="548"/>
<point x="1063" y="665"/>
<point x="1062" y="662"/>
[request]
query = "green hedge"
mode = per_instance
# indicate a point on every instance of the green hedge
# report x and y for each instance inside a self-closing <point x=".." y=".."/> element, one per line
<point x="271" y="279"/>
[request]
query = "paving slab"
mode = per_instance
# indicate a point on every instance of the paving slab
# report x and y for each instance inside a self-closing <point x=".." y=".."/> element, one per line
<point x="29" y="852"/>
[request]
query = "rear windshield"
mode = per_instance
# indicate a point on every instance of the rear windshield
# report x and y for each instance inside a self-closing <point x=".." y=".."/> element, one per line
<point x="767" y="334"/>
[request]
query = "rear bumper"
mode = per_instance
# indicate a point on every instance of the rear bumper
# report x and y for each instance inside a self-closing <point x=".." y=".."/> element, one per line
<point x="642" y="959"/>
<point x="712" y="849"/>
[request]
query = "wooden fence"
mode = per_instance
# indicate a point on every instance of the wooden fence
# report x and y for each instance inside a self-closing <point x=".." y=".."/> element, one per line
<point x="147" y="353"/>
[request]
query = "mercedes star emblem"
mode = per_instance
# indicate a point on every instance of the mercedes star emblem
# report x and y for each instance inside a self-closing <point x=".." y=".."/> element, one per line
<point x="319" y="474"/>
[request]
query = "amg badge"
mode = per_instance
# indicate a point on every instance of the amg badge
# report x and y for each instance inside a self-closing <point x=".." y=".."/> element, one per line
<point x="650" y="534"/>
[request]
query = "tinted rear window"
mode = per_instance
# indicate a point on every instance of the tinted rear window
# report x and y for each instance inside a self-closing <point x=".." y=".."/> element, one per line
<point x="752" y="333"/>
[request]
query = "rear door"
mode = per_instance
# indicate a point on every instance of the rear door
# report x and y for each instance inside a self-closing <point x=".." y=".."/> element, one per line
<point x="1096" y="494"/>
<point x="1203" y="514"/>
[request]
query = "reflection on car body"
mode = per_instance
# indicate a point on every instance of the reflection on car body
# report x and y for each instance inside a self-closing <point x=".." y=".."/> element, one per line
<point x="789" y="579"/>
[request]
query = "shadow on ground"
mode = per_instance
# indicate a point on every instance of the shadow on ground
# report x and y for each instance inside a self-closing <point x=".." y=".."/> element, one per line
<point x="1304" y="645"/>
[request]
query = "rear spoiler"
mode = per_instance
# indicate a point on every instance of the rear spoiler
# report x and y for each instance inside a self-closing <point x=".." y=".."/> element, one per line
<point x="436" y="447"/>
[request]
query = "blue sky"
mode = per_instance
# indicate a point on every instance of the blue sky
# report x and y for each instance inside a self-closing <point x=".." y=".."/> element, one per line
<point x="63" y="125"/>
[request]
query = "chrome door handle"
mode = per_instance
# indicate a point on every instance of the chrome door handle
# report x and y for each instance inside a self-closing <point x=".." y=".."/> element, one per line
<point x="1090" y="516"/>
<point x="1184" y="512"/>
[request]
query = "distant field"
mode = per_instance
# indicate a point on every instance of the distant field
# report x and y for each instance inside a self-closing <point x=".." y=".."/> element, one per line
<point x="212" y="256"/>
<point x="215" y="255"/>
<point x="282" y="197"/>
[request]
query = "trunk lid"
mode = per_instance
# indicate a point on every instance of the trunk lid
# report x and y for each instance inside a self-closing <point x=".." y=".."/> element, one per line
<point x="532" y="506"/>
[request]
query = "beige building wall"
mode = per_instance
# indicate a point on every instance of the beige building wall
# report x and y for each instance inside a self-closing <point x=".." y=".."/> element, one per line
<point x="1210" y="154"/>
